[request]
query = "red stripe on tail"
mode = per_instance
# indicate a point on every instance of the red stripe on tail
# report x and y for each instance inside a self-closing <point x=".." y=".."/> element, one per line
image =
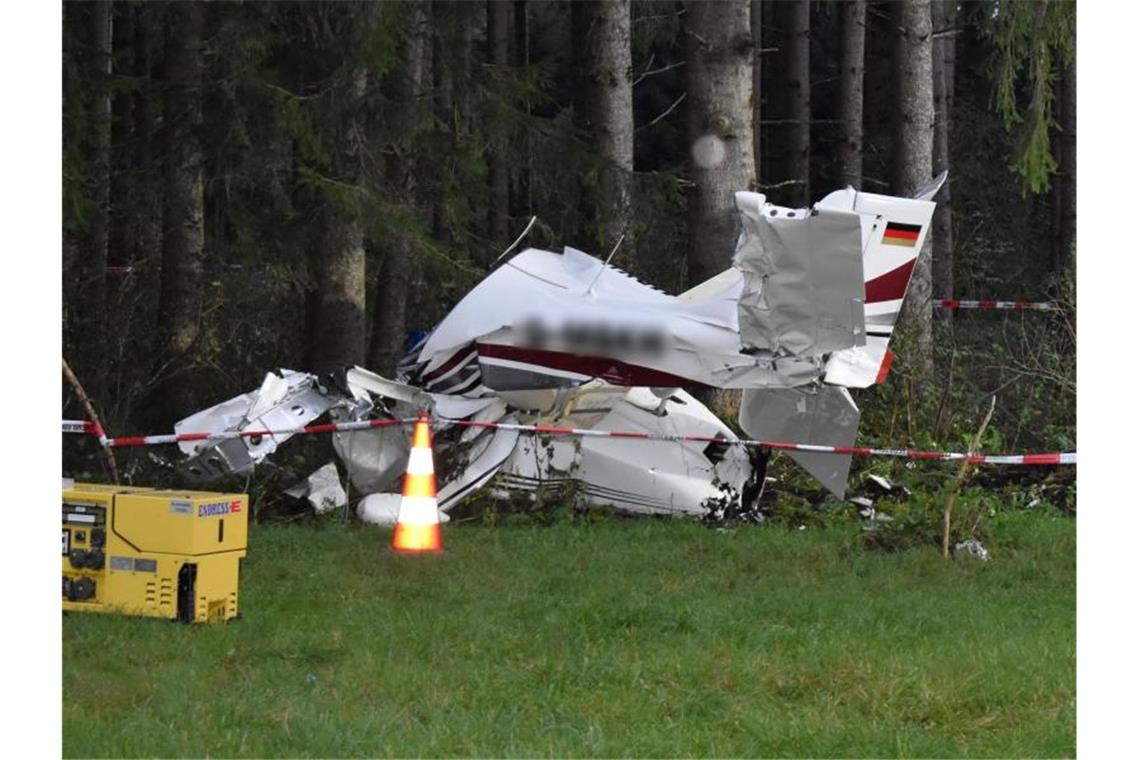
<point x="889" y="286"/>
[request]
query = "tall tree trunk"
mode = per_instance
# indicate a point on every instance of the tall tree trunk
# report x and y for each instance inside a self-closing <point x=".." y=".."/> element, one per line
<point x="602" y="31"/>
<point x="1067" y="180"/>
<point x="522" y="203"/>
<point x="147" y="194"/>
<point x="718" y="76"/>
<point x="390" y="313"/>
<point x="797" y="25"/>
<point x="757" y="22"/>
<point x="94" y="292"/>
<point x="498" y="209"/>
<point x="854" y="30"/>
<point x="943" y="14"/>
<point x="339" y="331"/>
<point x="182" y="227"/>
<point x="122" y="125"/>
<point x="913" y="152"/>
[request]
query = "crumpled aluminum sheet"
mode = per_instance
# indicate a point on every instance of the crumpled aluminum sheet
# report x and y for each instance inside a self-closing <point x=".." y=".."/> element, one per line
<point x="282" y="402"/>
<point x="803" y="278"/>
<point x="826" y="416"/>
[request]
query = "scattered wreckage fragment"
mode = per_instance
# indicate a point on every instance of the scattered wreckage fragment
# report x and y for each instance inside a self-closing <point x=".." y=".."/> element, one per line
<point x="805" y="312"/>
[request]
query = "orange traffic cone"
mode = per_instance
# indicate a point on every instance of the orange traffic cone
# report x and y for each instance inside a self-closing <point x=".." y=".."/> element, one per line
<point x="417" y="527"/>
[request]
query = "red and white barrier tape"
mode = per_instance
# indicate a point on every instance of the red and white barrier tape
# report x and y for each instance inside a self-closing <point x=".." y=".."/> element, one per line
<point x="85" y="426"/>
<point x="858" y="451"/>
<point x="957" y="303"/>
<point x="1051" y="458"/>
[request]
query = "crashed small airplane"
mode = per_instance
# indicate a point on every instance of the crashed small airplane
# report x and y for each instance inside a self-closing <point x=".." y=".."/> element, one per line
<point x="805" y="312"/>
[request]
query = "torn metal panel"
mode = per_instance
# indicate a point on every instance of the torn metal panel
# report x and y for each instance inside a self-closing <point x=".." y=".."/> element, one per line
<point x="283" y="402"/>
<point x="803" y="277"/>
<point x="365" y="384"/>
<point x="826" y="416"/>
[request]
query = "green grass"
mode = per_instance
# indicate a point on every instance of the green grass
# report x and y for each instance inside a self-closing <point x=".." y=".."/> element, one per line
<point x="618" y="638"/>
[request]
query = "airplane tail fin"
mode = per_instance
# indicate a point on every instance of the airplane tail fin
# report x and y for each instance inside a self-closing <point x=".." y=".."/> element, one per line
<point x="893" y="230"/>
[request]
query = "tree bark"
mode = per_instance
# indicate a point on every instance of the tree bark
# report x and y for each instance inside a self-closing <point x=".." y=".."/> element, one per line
<point x="602" y="31"/>
<point x="718" y="78"/>
<point x="122" y="125"/>
<point x="148" y="212"/>
<point x="522" y="202"/>
<point x="854" y="30"/>
<point x="339" y="327"/>
<point x="913" y="152"/>
<point x="498" y="208"/>
<point x="797" y="21"/>
<point x="390" y="313"/>
<point x="757" y="22"/>
<point x="943" y="13"/>
<point x="339" y="332"/>
<point x="1067" y="179"/>
<point x="180" y="296"/>
<point x="94" y="292"/>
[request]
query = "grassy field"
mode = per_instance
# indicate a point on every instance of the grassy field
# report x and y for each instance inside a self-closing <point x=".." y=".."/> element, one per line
<point x="616" y="638"/>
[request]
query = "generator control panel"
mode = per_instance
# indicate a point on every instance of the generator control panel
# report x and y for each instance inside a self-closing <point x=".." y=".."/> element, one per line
<point x="158" y="553"/>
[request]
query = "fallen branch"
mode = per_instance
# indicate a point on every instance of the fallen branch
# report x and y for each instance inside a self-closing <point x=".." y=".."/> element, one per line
<point x="961" y="479"/>
<point x="83" y="399"/>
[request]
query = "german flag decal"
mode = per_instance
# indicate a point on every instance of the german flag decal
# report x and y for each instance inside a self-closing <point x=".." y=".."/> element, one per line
<point x="901" y="234"/>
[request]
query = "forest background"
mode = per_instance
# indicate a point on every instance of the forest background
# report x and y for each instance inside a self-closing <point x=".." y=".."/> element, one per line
<point x="253" y="185"/>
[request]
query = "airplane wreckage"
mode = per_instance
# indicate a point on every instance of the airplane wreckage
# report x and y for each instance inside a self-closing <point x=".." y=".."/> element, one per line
<point x="805" y="312"/>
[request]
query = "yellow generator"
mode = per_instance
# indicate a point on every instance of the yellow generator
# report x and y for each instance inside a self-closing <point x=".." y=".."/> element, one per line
<point x="141" y="551"/>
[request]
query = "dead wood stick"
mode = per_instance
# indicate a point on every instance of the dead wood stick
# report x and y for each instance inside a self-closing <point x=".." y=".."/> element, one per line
<point x="962" y="478"/>
<point x="82" y="395"/>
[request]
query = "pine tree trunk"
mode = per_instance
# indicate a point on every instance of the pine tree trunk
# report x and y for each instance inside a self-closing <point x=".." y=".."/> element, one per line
<point x="94" y="293"/>
<point x="339" y="327"/>
<point x="757" y="22"/>
<point x="718" y="77"/>
<point x="913" y="152"/>
<point x="943" y="14"/>
<point x="797" y="20"/>
<point x="602" y="33"/>
<point x="339" y="334"/>
<point x="1067" y="178"/>
<point x="147" y="196"/>
<point x="180" y="296"/>
<point x="854" y="30"/>
<point x="390" y="313"/>
<point x="521" y="200"/>
<point x="498" y="208"/>
<point x="121" y="137"/>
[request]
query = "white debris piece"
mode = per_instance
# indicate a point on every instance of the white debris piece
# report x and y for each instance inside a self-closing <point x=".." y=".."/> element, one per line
<point x="384" y="509"/>
<point x="880" y="481"/>
<point x="322" y="489"/>
<point x="971" y="548"/>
